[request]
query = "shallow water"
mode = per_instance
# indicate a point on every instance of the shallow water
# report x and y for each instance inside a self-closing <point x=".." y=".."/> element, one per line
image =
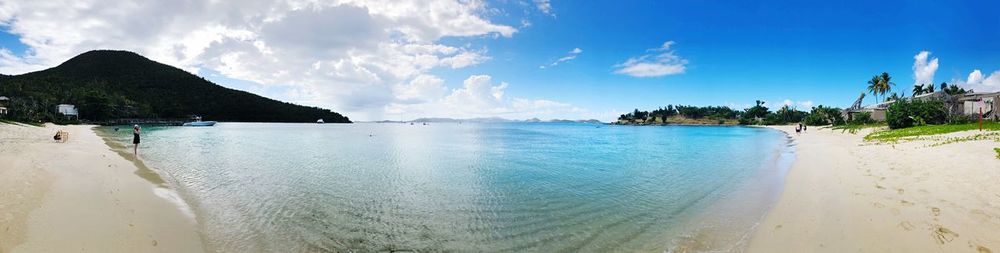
<point x="539" y="187"/>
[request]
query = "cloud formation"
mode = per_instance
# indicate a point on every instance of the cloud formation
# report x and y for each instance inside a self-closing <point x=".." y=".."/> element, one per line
<point x="570" y="56"/>
<point x="353" y="56"/>
<point x="545" y="6"/>
<point x="924" y="68"/>
<point x="480" y="96"/>
<point x="661" y="61"/>
<point x="980" y="83"/>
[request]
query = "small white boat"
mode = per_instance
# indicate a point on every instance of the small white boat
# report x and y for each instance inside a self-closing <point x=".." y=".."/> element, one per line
<point x="197" y="122"/>
<point x="320" y="121"/>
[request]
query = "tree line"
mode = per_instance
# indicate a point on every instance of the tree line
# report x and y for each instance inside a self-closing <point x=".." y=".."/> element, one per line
<point x="759" y="114"/>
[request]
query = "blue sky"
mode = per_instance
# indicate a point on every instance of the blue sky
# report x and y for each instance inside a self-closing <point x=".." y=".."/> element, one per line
<point x="731" y="54"/>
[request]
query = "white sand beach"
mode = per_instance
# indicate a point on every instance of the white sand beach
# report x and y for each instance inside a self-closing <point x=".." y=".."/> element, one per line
<point x="843" y="194"/>
<point x="80" y="196"/>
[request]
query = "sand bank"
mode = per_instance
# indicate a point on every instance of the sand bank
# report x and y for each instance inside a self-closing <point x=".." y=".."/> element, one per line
<point x="82" y="196"/>
<point x="843" y="194"/>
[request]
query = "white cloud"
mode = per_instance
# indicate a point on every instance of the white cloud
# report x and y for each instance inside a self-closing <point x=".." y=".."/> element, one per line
<point x="570" y="56"/>
<point x="545" y="6"/>
<point x="923" y="70"/>
<point x="353" y="56"/>
<point x="659" y="62"/>
<point x="421" y="89"/>
<point x="480" y="96"/>
<point x="980" y="83"/>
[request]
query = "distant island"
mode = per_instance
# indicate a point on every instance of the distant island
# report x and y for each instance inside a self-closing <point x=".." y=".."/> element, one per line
<point x="491" y="120"/>
<point x="106" y="85"/>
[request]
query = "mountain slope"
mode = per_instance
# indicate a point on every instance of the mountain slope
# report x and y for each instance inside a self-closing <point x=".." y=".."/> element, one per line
<point x="107" y="84"/>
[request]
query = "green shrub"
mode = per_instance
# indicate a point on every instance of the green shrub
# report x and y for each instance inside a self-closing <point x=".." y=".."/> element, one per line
<point x="961" y="119"/>
<point x="905" y="114"/>
<point x="862" y="118"/>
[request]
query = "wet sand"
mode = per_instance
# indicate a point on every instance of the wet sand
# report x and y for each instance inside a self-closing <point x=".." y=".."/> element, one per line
<point x="843" y="194"/>
<point x="82" y="196"/>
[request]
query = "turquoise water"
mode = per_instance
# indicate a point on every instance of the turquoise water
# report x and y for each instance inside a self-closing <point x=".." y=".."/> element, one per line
<point x="538" y="187"/>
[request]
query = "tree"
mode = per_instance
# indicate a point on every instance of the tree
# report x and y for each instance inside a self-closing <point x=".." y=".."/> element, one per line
<point x="885" y="83"/>
<point x="918" y="89"/>
<point x="944" y="86"/>
<point x="874" y="86"/>
<point x="955" y="90"/>
<point x="893" y="97"/>
<point x="930" y="88"/>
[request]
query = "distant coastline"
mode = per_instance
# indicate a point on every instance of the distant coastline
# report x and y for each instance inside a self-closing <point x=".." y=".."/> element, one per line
<point x="490" y="120"/>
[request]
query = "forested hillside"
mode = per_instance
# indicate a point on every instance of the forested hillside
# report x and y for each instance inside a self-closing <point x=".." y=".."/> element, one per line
<point x="107" y="85"/>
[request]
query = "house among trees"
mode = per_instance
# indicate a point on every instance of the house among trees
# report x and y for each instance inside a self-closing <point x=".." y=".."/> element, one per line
<point x="3" y="103"/>
<point x="68" y="110"/>
<point x="973" y="104"/>
<point x="969" y="104"/>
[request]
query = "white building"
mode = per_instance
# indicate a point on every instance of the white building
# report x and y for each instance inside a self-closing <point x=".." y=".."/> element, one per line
<point x="68" y="110"/>
<point x="3" y="102"/>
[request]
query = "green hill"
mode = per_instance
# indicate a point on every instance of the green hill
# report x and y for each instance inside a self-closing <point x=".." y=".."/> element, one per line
<point x="107" y="85"/>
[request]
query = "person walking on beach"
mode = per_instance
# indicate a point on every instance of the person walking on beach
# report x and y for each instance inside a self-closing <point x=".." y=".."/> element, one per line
<point x="135" y="139"/>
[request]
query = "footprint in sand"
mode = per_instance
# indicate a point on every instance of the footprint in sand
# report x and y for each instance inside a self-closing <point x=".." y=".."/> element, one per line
<point x="942" y="235"/>
<point x="878" y="205"/>
<point x="982" y="249"/>
<point x="905" y="203"/>
<point x="980" y="216"/>
<point x="906" y="225"/>
<point x="936" y="211"/>
<point x="900" y="190"/>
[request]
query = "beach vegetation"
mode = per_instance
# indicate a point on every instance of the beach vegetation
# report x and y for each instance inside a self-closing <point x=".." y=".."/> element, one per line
<point x="903" y="113"/>
<point x="998" y="152"/>
<point x="854" y="128"/>
<point x="862" y="118"/>
<point x="823" y="115"/>
<point x="897" y="134"/>
<point x="758" y="114"/>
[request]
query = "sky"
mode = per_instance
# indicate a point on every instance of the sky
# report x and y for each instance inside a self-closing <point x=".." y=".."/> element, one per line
<point x="518" y="59"/>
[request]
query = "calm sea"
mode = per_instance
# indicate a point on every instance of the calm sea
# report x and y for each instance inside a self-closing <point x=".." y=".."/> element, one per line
<point x="534" y="187"/>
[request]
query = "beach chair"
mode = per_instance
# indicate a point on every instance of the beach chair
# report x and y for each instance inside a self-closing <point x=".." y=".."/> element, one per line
<point x="61" y="136"/>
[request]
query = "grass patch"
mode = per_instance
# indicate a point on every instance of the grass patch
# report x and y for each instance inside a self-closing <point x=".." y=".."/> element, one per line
<point x="998" y="152"/>
<point x="906" y="133"/>
<point x="854" y="128"/>
<point x="995" y="136"/>
<point x="11" y="122"/>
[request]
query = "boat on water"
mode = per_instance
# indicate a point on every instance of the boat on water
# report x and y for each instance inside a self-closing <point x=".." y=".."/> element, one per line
<point x="320" y="121"/>
<point x="198" y="122"/>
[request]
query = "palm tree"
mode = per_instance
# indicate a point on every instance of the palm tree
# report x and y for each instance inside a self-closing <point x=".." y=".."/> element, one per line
<point x="918" y="89"/>
<point x="885" y="83"/>
<point x="930" y="89"/>
<point x="893" y="97"/>
<point x="874" y="86"/>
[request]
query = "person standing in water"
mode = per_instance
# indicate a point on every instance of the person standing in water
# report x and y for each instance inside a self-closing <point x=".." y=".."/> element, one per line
<point x="135" y="139"/>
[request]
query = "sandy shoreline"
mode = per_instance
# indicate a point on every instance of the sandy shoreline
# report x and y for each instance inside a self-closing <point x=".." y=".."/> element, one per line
<point x="845" y="195"/>
<point x="82" y="196"/>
